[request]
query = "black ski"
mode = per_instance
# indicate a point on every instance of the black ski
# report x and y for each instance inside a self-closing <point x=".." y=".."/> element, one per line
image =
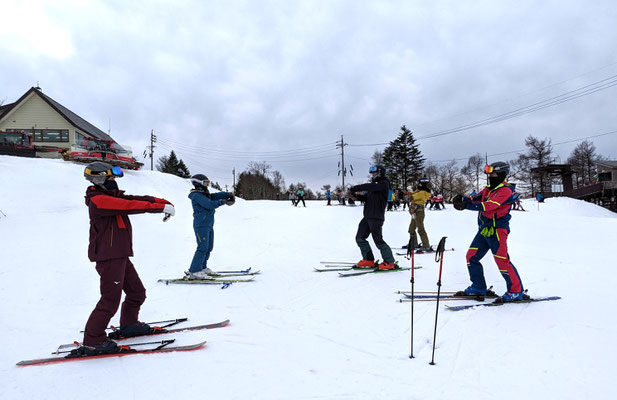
<point x="495" y="304"/>
<point x="207" y="281"/>
<point x="328" y="269"/>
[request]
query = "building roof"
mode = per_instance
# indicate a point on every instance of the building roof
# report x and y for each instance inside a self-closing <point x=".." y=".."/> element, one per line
<point x="610" y="164"/>
<point x="74" y="119"/>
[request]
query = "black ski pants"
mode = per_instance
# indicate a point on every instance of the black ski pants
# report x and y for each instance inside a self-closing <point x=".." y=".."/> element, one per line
<point x="373" y="227"/>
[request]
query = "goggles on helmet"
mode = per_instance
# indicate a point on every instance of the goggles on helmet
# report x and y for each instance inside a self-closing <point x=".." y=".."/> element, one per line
<point x="205" y="182"/>
<point x="489" y="169"/>
<point x="372" y="169"/>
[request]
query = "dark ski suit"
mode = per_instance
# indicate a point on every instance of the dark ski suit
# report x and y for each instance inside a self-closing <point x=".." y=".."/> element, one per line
<point x="111" y="245"/>
<point x="376" y="201"/>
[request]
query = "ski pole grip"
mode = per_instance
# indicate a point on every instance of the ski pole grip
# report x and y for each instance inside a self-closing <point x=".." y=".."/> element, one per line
<point x="441" y="247"/>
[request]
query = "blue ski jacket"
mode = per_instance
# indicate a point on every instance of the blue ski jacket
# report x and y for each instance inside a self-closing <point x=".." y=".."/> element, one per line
<point x="204" y="206"/>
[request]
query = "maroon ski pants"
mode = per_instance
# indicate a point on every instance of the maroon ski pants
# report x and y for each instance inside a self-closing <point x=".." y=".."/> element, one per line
<point x="117" y="275"/>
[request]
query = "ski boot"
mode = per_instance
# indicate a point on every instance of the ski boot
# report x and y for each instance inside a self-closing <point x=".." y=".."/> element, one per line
<point x="366" y="264"/>
<point x="473" y="292"/>
<point x="136" y="329"/>
<point x="387" y="266"/>
<point x="512" y="296"/>
<point x="105" y="347"/>
<point x="203" y="274"/>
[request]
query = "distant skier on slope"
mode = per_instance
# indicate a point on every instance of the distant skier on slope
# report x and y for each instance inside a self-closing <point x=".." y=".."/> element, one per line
<point x="300" y="195"/>
<point x="110" y="247"/>
<point x="417" y="201"/>
<point x="376" y="200"/>
<point x="204" y="207"/>
<point x="493" y="203"/>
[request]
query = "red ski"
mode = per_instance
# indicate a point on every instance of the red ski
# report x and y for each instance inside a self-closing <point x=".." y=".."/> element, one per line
<point x="124" y="351"/>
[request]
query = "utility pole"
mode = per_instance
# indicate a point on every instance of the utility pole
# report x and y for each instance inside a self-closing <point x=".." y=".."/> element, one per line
<point x="152" y="141"/>
<point x="233" y="188"/>
<point x="342" y="171"/>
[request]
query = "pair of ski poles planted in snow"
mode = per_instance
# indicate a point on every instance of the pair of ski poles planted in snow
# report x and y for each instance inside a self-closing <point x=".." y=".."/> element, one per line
<point x="438" y="258"/>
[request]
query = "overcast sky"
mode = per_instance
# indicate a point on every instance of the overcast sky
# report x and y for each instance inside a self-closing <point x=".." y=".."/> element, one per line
<point x="227" y="82"/>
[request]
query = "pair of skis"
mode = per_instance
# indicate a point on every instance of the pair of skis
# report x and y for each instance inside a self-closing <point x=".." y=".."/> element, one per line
<point x="72" y="351"/>
<point x="452" y="296"/>
<point x="351" y="268"/>
<point x="223" y="278"/>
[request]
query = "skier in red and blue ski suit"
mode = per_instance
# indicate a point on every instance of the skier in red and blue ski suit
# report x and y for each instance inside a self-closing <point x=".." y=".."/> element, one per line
<point x="493" y="204"/>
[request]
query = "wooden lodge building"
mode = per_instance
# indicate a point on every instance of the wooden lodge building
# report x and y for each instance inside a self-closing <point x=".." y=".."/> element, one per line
<point x="54" y="128"/>
<point x="602" y="193"/>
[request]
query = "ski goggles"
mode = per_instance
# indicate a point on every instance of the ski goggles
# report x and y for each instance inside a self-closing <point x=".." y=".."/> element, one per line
<point x="489" y="169"/>
<point x="117" y="171"/>
<point x="205" y="182"/>
<point x="372" y="169"/>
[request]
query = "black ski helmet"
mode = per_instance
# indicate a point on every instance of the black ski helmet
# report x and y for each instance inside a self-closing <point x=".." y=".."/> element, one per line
<point x="501" y="168"/>
<point x="200" y="181"/>
<point x="424" y="184"/>
<point x="381" y="171"/>
<point x="98" y="172"/>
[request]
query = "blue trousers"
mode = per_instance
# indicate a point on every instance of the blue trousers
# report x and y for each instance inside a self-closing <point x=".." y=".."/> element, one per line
<point x="205" y="243"/>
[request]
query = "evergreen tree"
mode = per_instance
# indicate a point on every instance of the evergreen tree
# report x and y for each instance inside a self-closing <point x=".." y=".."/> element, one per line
<point x="403" y="160"/>
<point x="172" y="165"/>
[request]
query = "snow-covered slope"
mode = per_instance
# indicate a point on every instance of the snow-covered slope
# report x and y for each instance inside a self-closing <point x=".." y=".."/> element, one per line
<point x="296" y="333"/>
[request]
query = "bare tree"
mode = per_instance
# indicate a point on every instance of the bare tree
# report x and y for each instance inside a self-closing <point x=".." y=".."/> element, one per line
<point x="431" y="172"/>
<point x="538" y="155"/>
<point x="520" y="170"/>
<point x="261" y="168"/>
<point x="278" y="181"/>
<point x="377" y="158"/>
<point x="452" y="182"/>
<point x="583" y="158"/>
<point x="473" y="170"/>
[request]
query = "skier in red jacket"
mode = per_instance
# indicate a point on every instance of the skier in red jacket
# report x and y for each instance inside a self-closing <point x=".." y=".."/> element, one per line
<point x="111" y="245"/>
<point x="493" y="204"/>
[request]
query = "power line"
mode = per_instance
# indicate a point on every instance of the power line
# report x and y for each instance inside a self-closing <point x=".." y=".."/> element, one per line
<point x="562" y="98"/>
<point x="523" y="150"/>
<point x="252" y="154"/>
<point x="556" y="100"/>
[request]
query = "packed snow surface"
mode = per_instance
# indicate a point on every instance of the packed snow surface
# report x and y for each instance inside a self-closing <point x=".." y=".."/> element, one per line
<point x="296" y="333"/>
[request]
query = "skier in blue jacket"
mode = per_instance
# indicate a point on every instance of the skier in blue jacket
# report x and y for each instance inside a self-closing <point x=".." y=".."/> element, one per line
<point x="204" y="206"/>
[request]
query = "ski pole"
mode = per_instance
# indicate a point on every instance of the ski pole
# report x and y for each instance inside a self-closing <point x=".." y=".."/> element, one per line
<point x="410" y="252"/>
<point x="438" y="258"/>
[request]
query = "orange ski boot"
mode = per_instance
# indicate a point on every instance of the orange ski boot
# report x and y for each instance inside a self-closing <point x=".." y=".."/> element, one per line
<point x="385" y="266"/>
<point x="366" y="264"/>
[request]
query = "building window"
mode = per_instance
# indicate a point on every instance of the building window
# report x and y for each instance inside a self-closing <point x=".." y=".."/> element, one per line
<point x="605" y="176"/>
<point x="49" y="135"/>
<point x="79" y="138"/>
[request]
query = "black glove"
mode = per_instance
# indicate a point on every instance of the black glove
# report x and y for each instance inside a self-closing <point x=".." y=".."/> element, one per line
<point x="460" y="202"/>
<point x="230" y="200"/>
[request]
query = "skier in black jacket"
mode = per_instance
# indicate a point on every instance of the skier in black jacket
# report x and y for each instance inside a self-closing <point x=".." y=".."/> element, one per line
<point x="376" y="200"/>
